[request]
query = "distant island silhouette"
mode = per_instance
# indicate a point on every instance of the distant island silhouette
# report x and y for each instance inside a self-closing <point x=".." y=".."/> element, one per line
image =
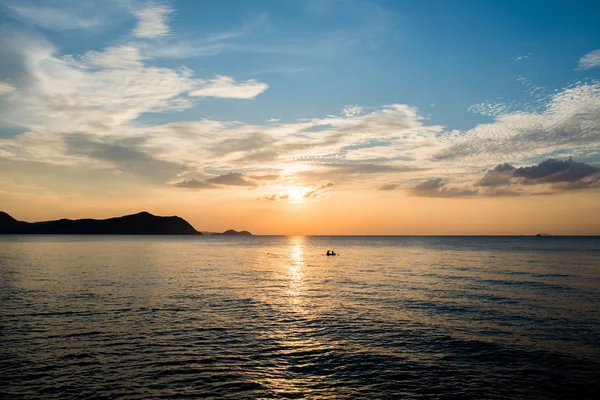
<point x="234" y="233"/>
<point x="142" y="223"/>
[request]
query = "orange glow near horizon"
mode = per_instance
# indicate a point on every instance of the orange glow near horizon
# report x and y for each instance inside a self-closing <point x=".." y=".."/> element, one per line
<point x="339" y="212"/>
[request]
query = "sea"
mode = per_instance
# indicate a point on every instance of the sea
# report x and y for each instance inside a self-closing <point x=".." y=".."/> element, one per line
<point x="273" y="317"/>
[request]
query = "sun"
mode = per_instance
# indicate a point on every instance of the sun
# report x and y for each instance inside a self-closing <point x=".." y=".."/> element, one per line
<point x="296" y="195"/>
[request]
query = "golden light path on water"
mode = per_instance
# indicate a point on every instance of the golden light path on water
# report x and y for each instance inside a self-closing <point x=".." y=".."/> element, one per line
<point x="295" y="269"/>
<point x="296" y="338"/>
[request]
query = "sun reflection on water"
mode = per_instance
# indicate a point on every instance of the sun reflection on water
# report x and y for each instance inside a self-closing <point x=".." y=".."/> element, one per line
<point x="295" y="271"/>
<point x="296" y="337"/>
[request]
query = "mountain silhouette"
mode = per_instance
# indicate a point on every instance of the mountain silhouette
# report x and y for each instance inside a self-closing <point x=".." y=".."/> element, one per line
<point x="142" y="223"/>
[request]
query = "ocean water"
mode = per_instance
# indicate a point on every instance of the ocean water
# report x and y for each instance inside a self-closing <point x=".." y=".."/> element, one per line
<point x="273" y="317"/>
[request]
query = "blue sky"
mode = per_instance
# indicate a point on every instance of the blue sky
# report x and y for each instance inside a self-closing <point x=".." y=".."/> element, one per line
<point x="443" y="53"/>
<point x="195" y="95"/>
<point x="451" y="54"/>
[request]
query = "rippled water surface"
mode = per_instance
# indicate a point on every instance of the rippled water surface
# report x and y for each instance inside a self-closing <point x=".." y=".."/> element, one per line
<point x="273" y="317"/>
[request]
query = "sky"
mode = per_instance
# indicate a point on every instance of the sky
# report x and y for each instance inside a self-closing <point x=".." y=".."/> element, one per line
<point x="300" y="117"/>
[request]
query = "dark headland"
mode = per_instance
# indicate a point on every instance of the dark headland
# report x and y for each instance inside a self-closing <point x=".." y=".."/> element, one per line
<point x="142" y="223"/>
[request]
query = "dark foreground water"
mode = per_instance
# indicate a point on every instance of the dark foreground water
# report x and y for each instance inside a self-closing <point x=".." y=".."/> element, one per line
<point x="272" y="317"/>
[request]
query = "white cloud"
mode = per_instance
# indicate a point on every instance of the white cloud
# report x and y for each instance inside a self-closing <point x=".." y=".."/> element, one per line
<point x="590" y="60"/>
<point x="391" y="143"/>
<point x="352" y="111"/>
<point x="300" y="146"/>
<point x="227" y="87"/>
<point x="125" y="56"/>
<point x="570" y="120"/>
<point x="152" y="20"/>
<point x="221" y="147"/>
<point x="100" y="91"/>
<point x="6" y="88"/>
<point x="93" y="93"/>
<point x="184" y="50"/>
<point x="523" y="57"/>
<point x="438" y="188"/>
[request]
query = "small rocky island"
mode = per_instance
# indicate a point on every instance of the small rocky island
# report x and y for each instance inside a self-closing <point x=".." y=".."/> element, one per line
<point x="142" y="223"/>
<point x="234" y="233"/>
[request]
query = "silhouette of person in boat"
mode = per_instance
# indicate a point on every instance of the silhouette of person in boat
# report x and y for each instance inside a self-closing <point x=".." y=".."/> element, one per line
<point x="331" y="253"/>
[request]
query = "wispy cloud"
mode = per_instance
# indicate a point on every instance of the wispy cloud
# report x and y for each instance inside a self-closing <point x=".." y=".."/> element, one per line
<point x="152" y="20"/>
<point x="242" y="143"/>
<point x="571" y="119"/>
<point x="590" y="60"/>
<point x="318" y="192"/>
<point x="438" y="188"/>
<point x="95" y="92"/>
<point x="227" y="87"/>
<point x="499" y="176"/>
<point x="196" y="184"/>
<point x="280" y="70"/>
<point x="275" y="197"/>
<point x="388" y="186"/>
<point x="118" y="57"/>
<point x="102" y="90"/>
<point x="523" y="57"/>
<point x="297" y="196"/>
<point x="352" y="111"/>
<point x="217" y="182"/>
<point x="232" y="179"/>
<point x="125" y="157"/>
<point x="550" y="176"/>
<point x="352" y="172"/>
<point x="203" y="44"/>
<point x="553" y="174"/>
<point x="6" y="88"/>
<point x="54" y="18"/>
<point x="266" y="177"/>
